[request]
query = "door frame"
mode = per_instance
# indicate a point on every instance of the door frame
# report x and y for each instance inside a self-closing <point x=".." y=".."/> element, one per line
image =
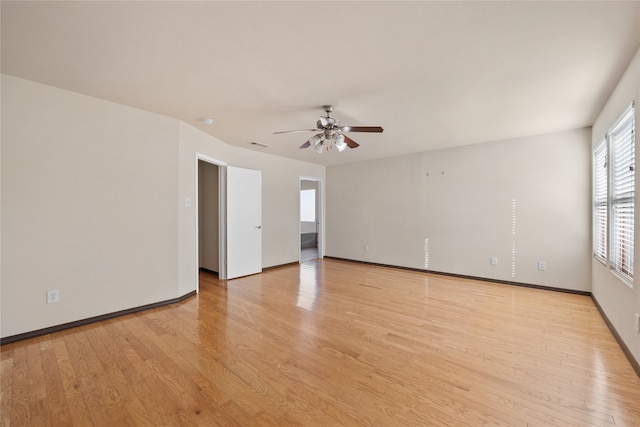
<point x="222" y="217"/>
<point x="319" y="220"/>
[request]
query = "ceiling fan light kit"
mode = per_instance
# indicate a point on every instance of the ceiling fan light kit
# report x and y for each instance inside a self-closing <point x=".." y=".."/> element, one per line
<point x="332" y="134"/>
<point x="339" y="142"/>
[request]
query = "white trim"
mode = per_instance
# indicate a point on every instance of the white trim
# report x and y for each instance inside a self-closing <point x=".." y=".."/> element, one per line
<point x="222" y="215"/>
<point x="200" y="156"/>
<point x="222" y="222"/>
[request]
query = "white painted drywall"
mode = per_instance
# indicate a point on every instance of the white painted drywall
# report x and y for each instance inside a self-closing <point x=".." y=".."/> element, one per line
<point x="89" y="194"/>
<point x="619" y="301"/>
<point x="452" y="210"/>
<point x="93" y="204"/>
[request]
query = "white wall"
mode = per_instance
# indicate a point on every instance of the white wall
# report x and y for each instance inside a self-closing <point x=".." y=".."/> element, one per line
<point x="461" y="200"/>
<point x="93" y="205"/>
<point x="307" y="227"/>
<point x="619" y="301"/>
<point x="89" y="206"/>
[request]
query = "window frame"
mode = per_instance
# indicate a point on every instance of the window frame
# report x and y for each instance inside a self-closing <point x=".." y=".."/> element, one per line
<point x="600" y="235"/>
<point x="618" y="148"/>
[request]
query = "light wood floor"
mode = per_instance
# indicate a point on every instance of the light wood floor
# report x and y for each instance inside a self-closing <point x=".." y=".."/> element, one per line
<point x="331" y="343"/>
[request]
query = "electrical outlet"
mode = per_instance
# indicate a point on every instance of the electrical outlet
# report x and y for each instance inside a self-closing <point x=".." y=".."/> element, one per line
<point x="366" y="248"/>
<point x="638" y="323"/>
<point x="494" y="260"/>
<point x="542" y="265"/>
<point x="53" y="296"/>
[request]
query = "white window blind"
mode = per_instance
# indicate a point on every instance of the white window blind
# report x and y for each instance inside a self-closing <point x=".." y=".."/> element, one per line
<point x="600" y="201"/>
<point x="622" y="175"/>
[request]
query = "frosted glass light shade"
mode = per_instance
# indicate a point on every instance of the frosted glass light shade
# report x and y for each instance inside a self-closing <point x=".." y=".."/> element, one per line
<point x="339" y="142"/>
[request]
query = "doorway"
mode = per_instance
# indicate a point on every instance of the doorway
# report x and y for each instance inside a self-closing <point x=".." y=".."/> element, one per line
<point x="310" y="219"/>
<point x="208" y="217"/>
<point x="228" y="241"/>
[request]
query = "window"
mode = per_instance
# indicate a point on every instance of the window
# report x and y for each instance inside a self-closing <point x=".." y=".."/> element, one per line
<point x="614" y="196"/>
<point x="622" y="193"/>
<point x="308" y="205"/>
<point x="600" y="202"/>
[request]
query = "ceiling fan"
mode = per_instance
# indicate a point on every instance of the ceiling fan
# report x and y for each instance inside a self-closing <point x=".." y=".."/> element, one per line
<point x="331" y="133"/>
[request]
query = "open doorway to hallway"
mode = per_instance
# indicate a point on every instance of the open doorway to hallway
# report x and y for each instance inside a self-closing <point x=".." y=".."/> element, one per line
<point x="310" y="215"/>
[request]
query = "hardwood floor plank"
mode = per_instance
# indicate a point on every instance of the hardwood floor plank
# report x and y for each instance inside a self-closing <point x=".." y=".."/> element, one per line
<point x="124" y="405"/>
<point x="179" y="376"/>
<point x="91" y="378"/>
<point x="147" y="409"/>
<point x="20" y="404"/>
<point x="330" y="342"/>
<point x="6" y="391"/>
<point x="39" y="410"/>
<point x="150" y="388"/>
<point x="58" y="408"/>
<point x="70" y="384"/>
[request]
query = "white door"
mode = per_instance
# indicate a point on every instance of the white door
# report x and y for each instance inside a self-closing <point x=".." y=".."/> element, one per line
<point x="244" y="222"/>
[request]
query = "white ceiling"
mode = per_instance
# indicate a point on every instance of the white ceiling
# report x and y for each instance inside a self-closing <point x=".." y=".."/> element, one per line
<point x="433" y="74"/>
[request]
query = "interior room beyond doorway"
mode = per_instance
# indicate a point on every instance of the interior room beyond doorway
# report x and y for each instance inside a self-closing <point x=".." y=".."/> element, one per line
<point x="309" y="219"/>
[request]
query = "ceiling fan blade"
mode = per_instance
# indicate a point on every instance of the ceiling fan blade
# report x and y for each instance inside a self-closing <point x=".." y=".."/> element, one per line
<point x="298" y="130"/>
<point x="377" y="129"/>
<point x="350" y="142"/>
<point x="306" y="145"/>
